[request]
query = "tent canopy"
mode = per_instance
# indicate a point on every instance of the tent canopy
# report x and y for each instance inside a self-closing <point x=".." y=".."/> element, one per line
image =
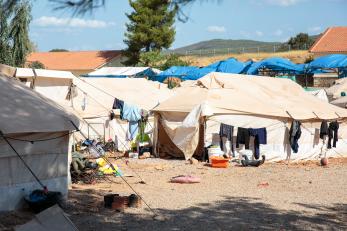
<point x="276" y="64"/>
<point x="242" y="94"/>
<point x="24" y="110"/>
<point x="123" y="72"/>
<point x="101" y="92"/>
<point x="29" y="73"/>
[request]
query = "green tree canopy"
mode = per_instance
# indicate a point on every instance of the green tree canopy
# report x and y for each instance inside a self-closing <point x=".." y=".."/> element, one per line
<point x="36" y="65"/>
<point x="300" y="41"/>
<point x="150" y="28"/>
<point x="15" y="44"/>
<point x="161" y="61"/>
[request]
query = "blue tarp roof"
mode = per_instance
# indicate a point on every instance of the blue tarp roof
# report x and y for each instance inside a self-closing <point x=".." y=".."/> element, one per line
<point x="231" y="65"/>
<point x="197" y="74"/>
<point x="276" y="64"/>
<point x="175" y="71"/>
<point x="328" y="62"/>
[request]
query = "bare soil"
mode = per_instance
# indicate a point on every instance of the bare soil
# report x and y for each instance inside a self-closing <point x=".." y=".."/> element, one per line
<point x="274" y="196"/>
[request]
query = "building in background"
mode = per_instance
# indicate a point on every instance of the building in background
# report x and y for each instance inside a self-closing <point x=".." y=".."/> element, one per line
<point x="78" y="62"/>
<point x="332" y="41"/>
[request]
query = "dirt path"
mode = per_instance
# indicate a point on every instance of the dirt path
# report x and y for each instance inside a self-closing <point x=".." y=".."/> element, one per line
<point x="298" y="197"/>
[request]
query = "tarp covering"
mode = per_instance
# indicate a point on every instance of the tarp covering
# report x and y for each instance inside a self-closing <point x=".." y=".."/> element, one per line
<point x="240" y="95"/>
<point x="175" y="71"/>
<point x="123" y="72"/>
<point x="276" y="64"/>
<point x="339" y="87"/>
<point x="24" y="110"/>
<point x="329" y="61"/>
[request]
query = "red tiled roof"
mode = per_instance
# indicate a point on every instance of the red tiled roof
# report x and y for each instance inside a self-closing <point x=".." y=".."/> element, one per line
<point x="333" y="40"/>
<point x="73" y="60"/>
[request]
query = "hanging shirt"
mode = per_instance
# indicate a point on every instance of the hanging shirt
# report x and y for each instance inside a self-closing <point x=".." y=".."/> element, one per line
<point x="226" y="131"/>
<point x="294" y="135"/>
<point x="333" y="133"/>
<point x="260" y="137"/>
<point x="130" y="113"/>
<point x="242" y="137"/>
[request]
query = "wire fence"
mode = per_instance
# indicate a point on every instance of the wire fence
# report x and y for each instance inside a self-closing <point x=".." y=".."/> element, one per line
<point x="240" y="50"/>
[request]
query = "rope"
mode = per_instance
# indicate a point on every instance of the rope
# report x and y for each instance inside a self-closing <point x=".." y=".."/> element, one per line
<point x="25" y="164"/>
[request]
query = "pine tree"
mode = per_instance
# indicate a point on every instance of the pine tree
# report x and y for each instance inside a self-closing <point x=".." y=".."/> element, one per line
<point x="150" y="28"/>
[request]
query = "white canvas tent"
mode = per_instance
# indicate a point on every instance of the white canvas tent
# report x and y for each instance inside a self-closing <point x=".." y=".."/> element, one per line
<point x="248" y="102"/>
<point x="334" y="92"/>
<point x="97" y="95"/>
<point x="27" y="115"/>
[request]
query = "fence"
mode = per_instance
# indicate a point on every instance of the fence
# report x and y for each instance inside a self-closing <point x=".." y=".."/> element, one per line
<point x="240" y="50"/>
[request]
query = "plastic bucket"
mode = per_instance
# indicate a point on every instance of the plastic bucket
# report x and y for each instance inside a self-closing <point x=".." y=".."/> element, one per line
<point x="216" y="151"/>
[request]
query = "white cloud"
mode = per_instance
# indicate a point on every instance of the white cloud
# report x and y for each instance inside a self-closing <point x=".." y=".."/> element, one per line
<point x="259" y="33"/>
<point x="46" y="21"/>
<point x="278" y="32"/>
<point x="315" y="29"/>
<point x="216" y="29"/>
<point x="283" y="3"/>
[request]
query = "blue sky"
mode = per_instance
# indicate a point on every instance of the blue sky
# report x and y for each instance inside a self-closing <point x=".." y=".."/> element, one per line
<point x="264" y="20"/>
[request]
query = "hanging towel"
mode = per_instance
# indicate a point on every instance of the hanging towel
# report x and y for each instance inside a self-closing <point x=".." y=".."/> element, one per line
<point x="226" y="131"/>
<point x="333" y="133"/>
<point x="260" y="137"/>
<point x="323" y="129"/>
<point x="130" y="113"/>
<point x="242" y="137"/>
<point x="118" y="104"/>
<point x="294" y="135"/>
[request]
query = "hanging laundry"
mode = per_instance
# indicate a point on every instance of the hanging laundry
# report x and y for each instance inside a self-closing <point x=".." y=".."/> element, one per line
<point x="323" y="129"/>
<point x="226" y="131"/>
<point x="133" y="130"/>
<point x="294" y="135"/>
<point x="333" y="133"/>
<point x="242" y="137"/>
<point x="260" y="137"/>
<point x="130" y="113"/>
<point x="72" y="92"/>
<point x="84" y="102"/>
<point x="117" y="104"/>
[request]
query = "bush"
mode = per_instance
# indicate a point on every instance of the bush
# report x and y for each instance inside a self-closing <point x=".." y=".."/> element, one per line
<point x="37" y="65"/>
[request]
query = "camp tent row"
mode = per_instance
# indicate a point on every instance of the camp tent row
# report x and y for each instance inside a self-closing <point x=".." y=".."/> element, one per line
<point x="26" y="115"/>
<point x="92" y="99"/>
<point x="189" y="119"/>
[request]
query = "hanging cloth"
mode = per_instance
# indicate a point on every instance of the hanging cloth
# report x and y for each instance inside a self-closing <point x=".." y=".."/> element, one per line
<point x="226" y="131"/>
<point x="260" y="137"/>
<point x="242" y="137"/>
<point x="84" y="102"/>
<point x="294" y="135"/>
<point x="333" y="133"/>
<point x="323" y="129"/>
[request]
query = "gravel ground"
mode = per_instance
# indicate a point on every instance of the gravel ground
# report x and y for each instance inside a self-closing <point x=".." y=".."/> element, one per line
<point x="302" y="196"/>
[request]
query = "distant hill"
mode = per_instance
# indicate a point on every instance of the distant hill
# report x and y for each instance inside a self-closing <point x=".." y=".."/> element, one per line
<point x="225" y="44"/>
<point x="233" y="45"/>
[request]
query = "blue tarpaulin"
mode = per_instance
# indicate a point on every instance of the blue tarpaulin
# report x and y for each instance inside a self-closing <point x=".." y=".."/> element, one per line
<point x="275" y="64"/>
<point x="335" y="61"/>
<point x="175" y="71"/>
<point x="197" y="74"/>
